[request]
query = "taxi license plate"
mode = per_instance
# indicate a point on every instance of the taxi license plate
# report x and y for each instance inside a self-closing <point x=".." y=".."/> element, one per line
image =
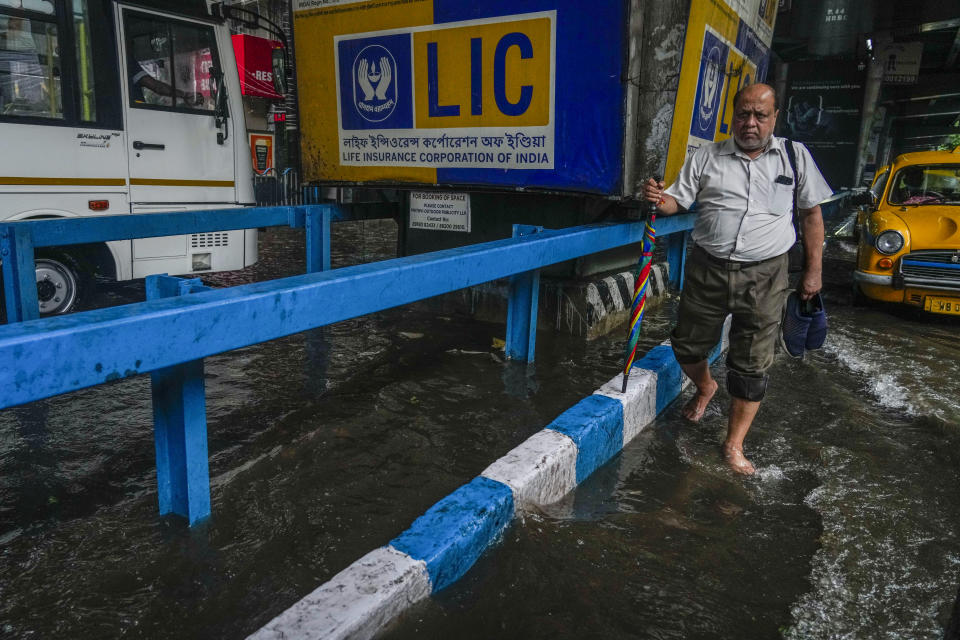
<point x="942" y="305"/>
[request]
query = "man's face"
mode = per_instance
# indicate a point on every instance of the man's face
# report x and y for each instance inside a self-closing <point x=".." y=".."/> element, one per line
<point x="754" y="119"/>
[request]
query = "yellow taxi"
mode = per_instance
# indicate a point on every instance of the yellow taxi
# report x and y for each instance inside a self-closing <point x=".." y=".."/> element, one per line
<point x="909" y="233"/>
<point x="876" y="188"/>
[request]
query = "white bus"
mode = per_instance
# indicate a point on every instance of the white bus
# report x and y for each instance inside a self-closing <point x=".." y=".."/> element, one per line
<point x="110" y="107"/>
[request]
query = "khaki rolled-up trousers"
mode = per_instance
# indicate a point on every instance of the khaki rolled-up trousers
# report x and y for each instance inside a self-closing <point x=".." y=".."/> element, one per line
<point x="754" y="293"/>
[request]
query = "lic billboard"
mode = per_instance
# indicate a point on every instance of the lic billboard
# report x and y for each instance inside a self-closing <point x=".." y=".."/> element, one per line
<point x="727" y="47"/>
<point x="500" y="93"/>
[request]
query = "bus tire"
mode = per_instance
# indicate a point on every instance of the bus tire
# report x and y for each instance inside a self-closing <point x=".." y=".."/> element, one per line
<point x="60" y="285"/>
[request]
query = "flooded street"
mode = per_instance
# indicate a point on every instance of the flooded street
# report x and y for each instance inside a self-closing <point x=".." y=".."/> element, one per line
<point x="847" y="531"/>
<point x="326" y="445"/>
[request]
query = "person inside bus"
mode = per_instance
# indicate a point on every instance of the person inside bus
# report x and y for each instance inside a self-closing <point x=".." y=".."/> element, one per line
<point x="141" y="79"/>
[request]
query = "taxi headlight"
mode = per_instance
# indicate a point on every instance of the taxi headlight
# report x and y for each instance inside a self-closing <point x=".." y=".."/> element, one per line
<point x="889" y="242"/>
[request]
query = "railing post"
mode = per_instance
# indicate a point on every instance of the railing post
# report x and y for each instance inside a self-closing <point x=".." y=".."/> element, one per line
<point x="677" y="257"/>
<point x="522" y="307"/>
<point x="316" y="226"/>
<point x="317" y="229"/>
<point x="180" y="422"/>
<point x="19" y="273"/>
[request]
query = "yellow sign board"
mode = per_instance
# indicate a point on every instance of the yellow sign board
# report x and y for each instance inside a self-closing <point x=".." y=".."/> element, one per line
<point x="726" y="48"/>
<point x="508" y="64"/>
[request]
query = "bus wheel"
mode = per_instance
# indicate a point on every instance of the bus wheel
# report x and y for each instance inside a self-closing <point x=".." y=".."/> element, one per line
<point x="58" y="285"/>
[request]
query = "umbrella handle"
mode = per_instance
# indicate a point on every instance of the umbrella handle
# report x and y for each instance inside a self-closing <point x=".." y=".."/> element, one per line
<point x="651" y="207"/>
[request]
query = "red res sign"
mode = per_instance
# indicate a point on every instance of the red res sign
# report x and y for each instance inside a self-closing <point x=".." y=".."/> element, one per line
<point x="255" y="65"/>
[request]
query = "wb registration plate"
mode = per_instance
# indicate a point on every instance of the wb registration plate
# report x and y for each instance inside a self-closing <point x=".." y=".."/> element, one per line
<point x="942" y="305"/>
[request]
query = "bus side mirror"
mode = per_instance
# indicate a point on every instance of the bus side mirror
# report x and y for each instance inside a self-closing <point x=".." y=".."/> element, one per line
<point x="220" y="110"/>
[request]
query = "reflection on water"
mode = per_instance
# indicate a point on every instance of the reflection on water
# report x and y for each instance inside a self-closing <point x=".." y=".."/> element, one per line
<point x="325" y="445"/>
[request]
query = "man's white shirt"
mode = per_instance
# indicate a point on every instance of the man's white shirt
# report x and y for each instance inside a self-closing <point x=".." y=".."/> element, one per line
<point x="743" y="213"/>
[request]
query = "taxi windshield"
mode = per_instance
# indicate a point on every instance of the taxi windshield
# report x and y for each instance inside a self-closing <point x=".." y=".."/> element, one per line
<point x="922" y="184"/>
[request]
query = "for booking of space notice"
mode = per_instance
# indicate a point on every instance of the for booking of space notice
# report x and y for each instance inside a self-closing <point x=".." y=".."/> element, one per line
<point x="440" y="211"/>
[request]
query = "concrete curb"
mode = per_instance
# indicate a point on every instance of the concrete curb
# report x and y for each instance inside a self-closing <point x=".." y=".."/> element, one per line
<point x="441" y="545"/>
<point x="357" y="602"/>
<point x="544" y="468"/>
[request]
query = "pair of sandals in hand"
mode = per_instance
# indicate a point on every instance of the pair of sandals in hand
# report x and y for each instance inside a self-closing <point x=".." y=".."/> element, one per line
<point x="804" y="326"/>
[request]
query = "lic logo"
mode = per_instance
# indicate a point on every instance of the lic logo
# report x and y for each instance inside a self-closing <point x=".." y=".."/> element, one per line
<point x="375" y="79"/>
<point x="710" y="86"/>
<point x="711" y="83"/>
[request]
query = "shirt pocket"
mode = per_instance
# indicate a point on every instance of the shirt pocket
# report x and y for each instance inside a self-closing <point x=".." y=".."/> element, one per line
<point x="781" y="198"/>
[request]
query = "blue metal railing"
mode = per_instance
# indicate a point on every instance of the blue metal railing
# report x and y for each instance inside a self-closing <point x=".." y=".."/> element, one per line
<point x="169" y="336"/>
<point x="19" y="239"/>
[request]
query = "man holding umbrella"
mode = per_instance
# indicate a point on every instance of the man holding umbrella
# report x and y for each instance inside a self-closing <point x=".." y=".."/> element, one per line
<point x="743" y="188"/>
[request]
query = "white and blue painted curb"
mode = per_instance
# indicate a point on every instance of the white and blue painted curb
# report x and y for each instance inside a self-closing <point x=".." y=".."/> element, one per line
<point x="442" y="544"/>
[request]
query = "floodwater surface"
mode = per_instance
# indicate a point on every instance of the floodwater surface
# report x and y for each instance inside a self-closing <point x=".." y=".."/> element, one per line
<point x="327" y="444"/>
<point x="848" y="530"/>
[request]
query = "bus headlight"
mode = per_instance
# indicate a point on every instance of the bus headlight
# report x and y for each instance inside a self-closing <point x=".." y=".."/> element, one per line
<point x="889" y="242"/>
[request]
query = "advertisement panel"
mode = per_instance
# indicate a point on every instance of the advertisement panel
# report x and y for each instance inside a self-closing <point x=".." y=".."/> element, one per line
<point x="255" y="64"/>
<point x="463" y="93"/>
<point x="727" y="47"/>
<point x="261" y="151"/>
<point x="901" y="62"/>
<point x="822" y="110"/>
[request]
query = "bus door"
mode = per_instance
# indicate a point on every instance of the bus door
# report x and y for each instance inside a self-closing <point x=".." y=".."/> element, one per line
<point x="180" y="151"/>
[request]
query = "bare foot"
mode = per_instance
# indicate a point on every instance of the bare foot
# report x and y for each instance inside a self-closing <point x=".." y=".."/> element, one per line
<point x="697" y="406"/>
<point x="737" y="461"/>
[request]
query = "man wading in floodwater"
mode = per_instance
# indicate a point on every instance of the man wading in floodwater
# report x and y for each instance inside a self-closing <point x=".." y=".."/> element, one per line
<point x="743" y="188"/>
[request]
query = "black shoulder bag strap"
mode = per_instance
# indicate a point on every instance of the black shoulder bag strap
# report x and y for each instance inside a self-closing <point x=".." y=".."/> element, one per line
<point x="792" y="157"/>
<point x="797" y="256"/>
